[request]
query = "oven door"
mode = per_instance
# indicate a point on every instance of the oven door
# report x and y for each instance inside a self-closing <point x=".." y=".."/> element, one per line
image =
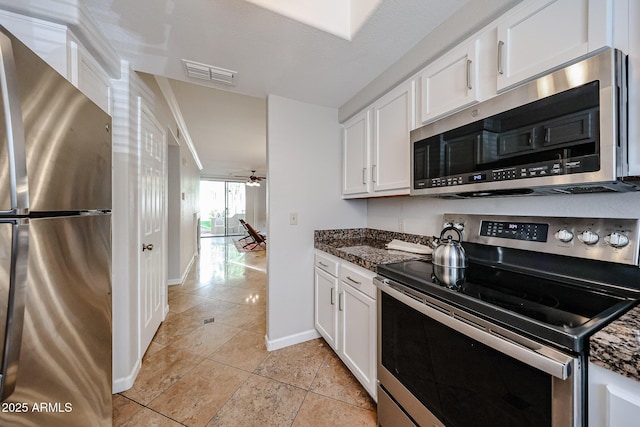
<point x="445" y="367"/>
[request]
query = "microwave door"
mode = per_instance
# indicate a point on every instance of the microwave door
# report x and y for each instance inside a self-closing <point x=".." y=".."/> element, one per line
<point x="13" y="179"/>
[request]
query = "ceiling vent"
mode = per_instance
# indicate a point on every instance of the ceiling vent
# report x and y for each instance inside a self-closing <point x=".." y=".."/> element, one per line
<point x="197" y="70"/>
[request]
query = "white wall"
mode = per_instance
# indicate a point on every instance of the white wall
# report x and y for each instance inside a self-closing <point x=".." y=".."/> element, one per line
<point x="256" y="213"/>
<point x="173" y="213"/>
<point x="303" y="157"/>
<point x="423" y="215"/>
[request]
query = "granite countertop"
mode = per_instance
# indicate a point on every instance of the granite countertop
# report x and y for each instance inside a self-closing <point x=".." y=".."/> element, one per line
<point x="366" y="247"/>
<point x="616" y="347"/>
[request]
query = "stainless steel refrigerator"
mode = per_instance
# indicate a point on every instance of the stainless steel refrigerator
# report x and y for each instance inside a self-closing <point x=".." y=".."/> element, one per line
<point x="55" y="247"/>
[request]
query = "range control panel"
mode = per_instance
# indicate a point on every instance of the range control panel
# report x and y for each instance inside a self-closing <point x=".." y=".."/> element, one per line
<point x="606" y="239"/>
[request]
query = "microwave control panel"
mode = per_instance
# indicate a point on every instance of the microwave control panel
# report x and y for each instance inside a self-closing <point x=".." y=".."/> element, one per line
<point x="535" y="170"/>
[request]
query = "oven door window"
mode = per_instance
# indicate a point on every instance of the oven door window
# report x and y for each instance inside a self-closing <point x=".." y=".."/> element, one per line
<point x="462" y="382"/>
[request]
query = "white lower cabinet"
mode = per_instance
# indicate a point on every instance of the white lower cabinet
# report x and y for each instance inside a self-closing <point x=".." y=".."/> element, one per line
<point x="326" y="314"/>
<point x="345" y="315"/>
<point x="614" y="400"/>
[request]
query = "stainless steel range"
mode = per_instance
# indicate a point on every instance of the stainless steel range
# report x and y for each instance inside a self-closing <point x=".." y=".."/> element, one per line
<point x="508" y="347"/>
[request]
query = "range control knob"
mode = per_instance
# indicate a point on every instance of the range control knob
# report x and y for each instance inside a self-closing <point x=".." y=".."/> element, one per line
<point x="564" y="235"/>
<point x="617" y="240"/>
<point x="589" y="237"/>
<point x="459" y="226"/>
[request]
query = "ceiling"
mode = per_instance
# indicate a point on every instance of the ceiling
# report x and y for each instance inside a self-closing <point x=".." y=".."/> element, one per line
<point x="271" y="53"/>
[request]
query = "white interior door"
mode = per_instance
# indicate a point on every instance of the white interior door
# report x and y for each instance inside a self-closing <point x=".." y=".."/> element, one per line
<point x="153" y="292"/>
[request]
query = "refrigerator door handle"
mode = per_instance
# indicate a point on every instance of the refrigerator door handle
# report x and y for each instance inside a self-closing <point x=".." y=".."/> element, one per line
<point x="15" y="309"/>
<point x="15" y="129"/>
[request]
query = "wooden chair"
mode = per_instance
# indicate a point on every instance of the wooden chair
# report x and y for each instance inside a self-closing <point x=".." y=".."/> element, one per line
<point x="256" y="238"/>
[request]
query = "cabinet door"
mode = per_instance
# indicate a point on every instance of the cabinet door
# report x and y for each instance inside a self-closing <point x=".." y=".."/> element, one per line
<point x="358" y="335"/>
<point x="547" y="33"/>
<point x="393" y="120"/>
<point x="355" y="155"/>
<point x="450" y="83"/>
<point x="326" y="313"/>
<point x="87" y="75"/>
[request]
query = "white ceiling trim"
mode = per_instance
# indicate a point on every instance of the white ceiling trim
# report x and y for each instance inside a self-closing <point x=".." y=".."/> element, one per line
<point x="166" y="90"/>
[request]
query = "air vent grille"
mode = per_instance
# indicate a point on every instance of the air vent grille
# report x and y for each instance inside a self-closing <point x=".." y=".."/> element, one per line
<point x="197" y="70"/>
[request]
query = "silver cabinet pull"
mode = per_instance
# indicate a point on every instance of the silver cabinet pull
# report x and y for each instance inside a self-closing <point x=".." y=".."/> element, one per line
<point x="364" y="175"/>
<point x="147" y="247"/>
<point x="19" y="193"/>
<point x="332" y="298"/>
<point x="469" y="74"/>
<point x="340" y="305"/>
<point x="374" y="169"/>
<point x="500" y="46"/>
<point x="16" y="301"/>
<point x="353" y="280"/>
<point x="323" y="264"/>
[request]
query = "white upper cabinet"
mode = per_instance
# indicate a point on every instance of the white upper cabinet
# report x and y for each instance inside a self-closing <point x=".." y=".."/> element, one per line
<point x="47" y="39"/>
<point x="375" y="146"/>
<point x="88" y="76"/>
<point x="394" y="118"/>
<point x="451" y="82"/>
<point x="59" y="47"/>
<point x="355" y="154"/>
<point x="541" y="35"/>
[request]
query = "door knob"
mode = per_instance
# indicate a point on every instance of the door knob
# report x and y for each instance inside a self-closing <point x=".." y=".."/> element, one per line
<point x="147" y="247"/>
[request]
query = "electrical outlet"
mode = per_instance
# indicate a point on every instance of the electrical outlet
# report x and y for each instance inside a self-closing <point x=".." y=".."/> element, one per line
<point x="293" y="218"/>
<point x="401" y="225"/>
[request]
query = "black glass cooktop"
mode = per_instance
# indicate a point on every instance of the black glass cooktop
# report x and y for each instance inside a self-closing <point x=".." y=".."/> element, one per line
<point x="555" y="310"/>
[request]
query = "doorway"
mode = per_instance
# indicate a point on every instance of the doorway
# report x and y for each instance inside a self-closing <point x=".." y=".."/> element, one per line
<point x="222" y="205"/>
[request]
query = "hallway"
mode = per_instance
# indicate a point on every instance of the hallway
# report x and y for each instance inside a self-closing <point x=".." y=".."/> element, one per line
<point x="208" y="366"/>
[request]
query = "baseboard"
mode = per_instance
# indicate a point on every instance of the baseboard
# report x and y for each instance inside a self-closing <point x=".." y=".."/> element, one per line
<point x="290" y="340"/>
<point x="180" y="281"/>
<point x="122" y="384"/>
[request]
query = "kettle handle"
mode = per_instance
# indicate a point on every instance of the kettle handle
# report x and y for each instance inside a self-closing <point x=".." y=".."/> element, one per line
<point x="451" y="228"/>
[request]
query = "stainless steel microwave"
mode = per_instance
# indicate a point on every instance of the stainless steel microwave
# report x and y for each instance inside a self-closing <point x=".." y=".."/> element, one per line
<point x="562" y="133"/>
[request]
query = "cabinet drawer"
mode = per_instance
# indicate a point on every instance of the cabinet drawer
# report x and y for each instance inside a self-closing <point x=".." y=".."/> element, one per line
<point x="358" y="278"/>
<point x="327" y="263"/>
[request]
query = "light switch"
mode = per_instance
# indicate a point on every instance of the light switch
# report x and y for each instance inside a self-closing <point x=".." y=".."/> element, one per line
<point x="293" y="218"/>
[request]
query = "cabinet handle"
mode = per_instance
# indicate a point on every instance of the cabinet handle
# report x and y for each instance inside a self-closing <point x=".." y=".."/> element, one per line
<point x="500" y="45"/>
<point x="333" y="298"/>
<point x="547" y="135"/>
<point x="364" y="175"/>
<point x="340" y="307"/>
<point x="373" y="173"/>
<point x="469" y="74"/>
<point x="353" y="280"/>
<point x="323" y="264"/>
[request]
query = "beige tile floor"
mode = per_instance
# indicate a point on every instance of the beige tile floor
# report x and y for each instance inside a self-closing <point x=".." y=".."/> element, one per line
<point x="208" y="365"/>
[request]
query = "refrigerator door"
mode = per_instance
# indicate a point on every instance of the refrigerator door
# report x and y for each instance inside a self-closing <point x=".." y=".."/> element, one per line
<point x="64" y="369"/>
<point x="14" y="259"/>
<point x="13" y="172"/>
<point x="67" y="139"/>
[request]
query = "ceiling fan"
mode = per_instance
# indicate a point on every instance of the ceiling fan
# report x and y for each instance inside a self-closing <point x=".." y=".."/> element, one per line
<point x="254" y="181"/>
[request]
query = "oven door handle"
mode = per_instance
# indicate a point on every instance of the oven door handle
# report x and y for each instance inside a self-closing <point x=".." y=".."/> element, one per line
<point x="532" y="353"/>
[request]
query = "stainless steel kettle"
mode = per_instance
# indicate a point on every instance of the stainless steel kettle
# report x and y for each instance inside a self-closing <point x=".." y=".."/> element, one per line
<point x="449" y="260"/>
